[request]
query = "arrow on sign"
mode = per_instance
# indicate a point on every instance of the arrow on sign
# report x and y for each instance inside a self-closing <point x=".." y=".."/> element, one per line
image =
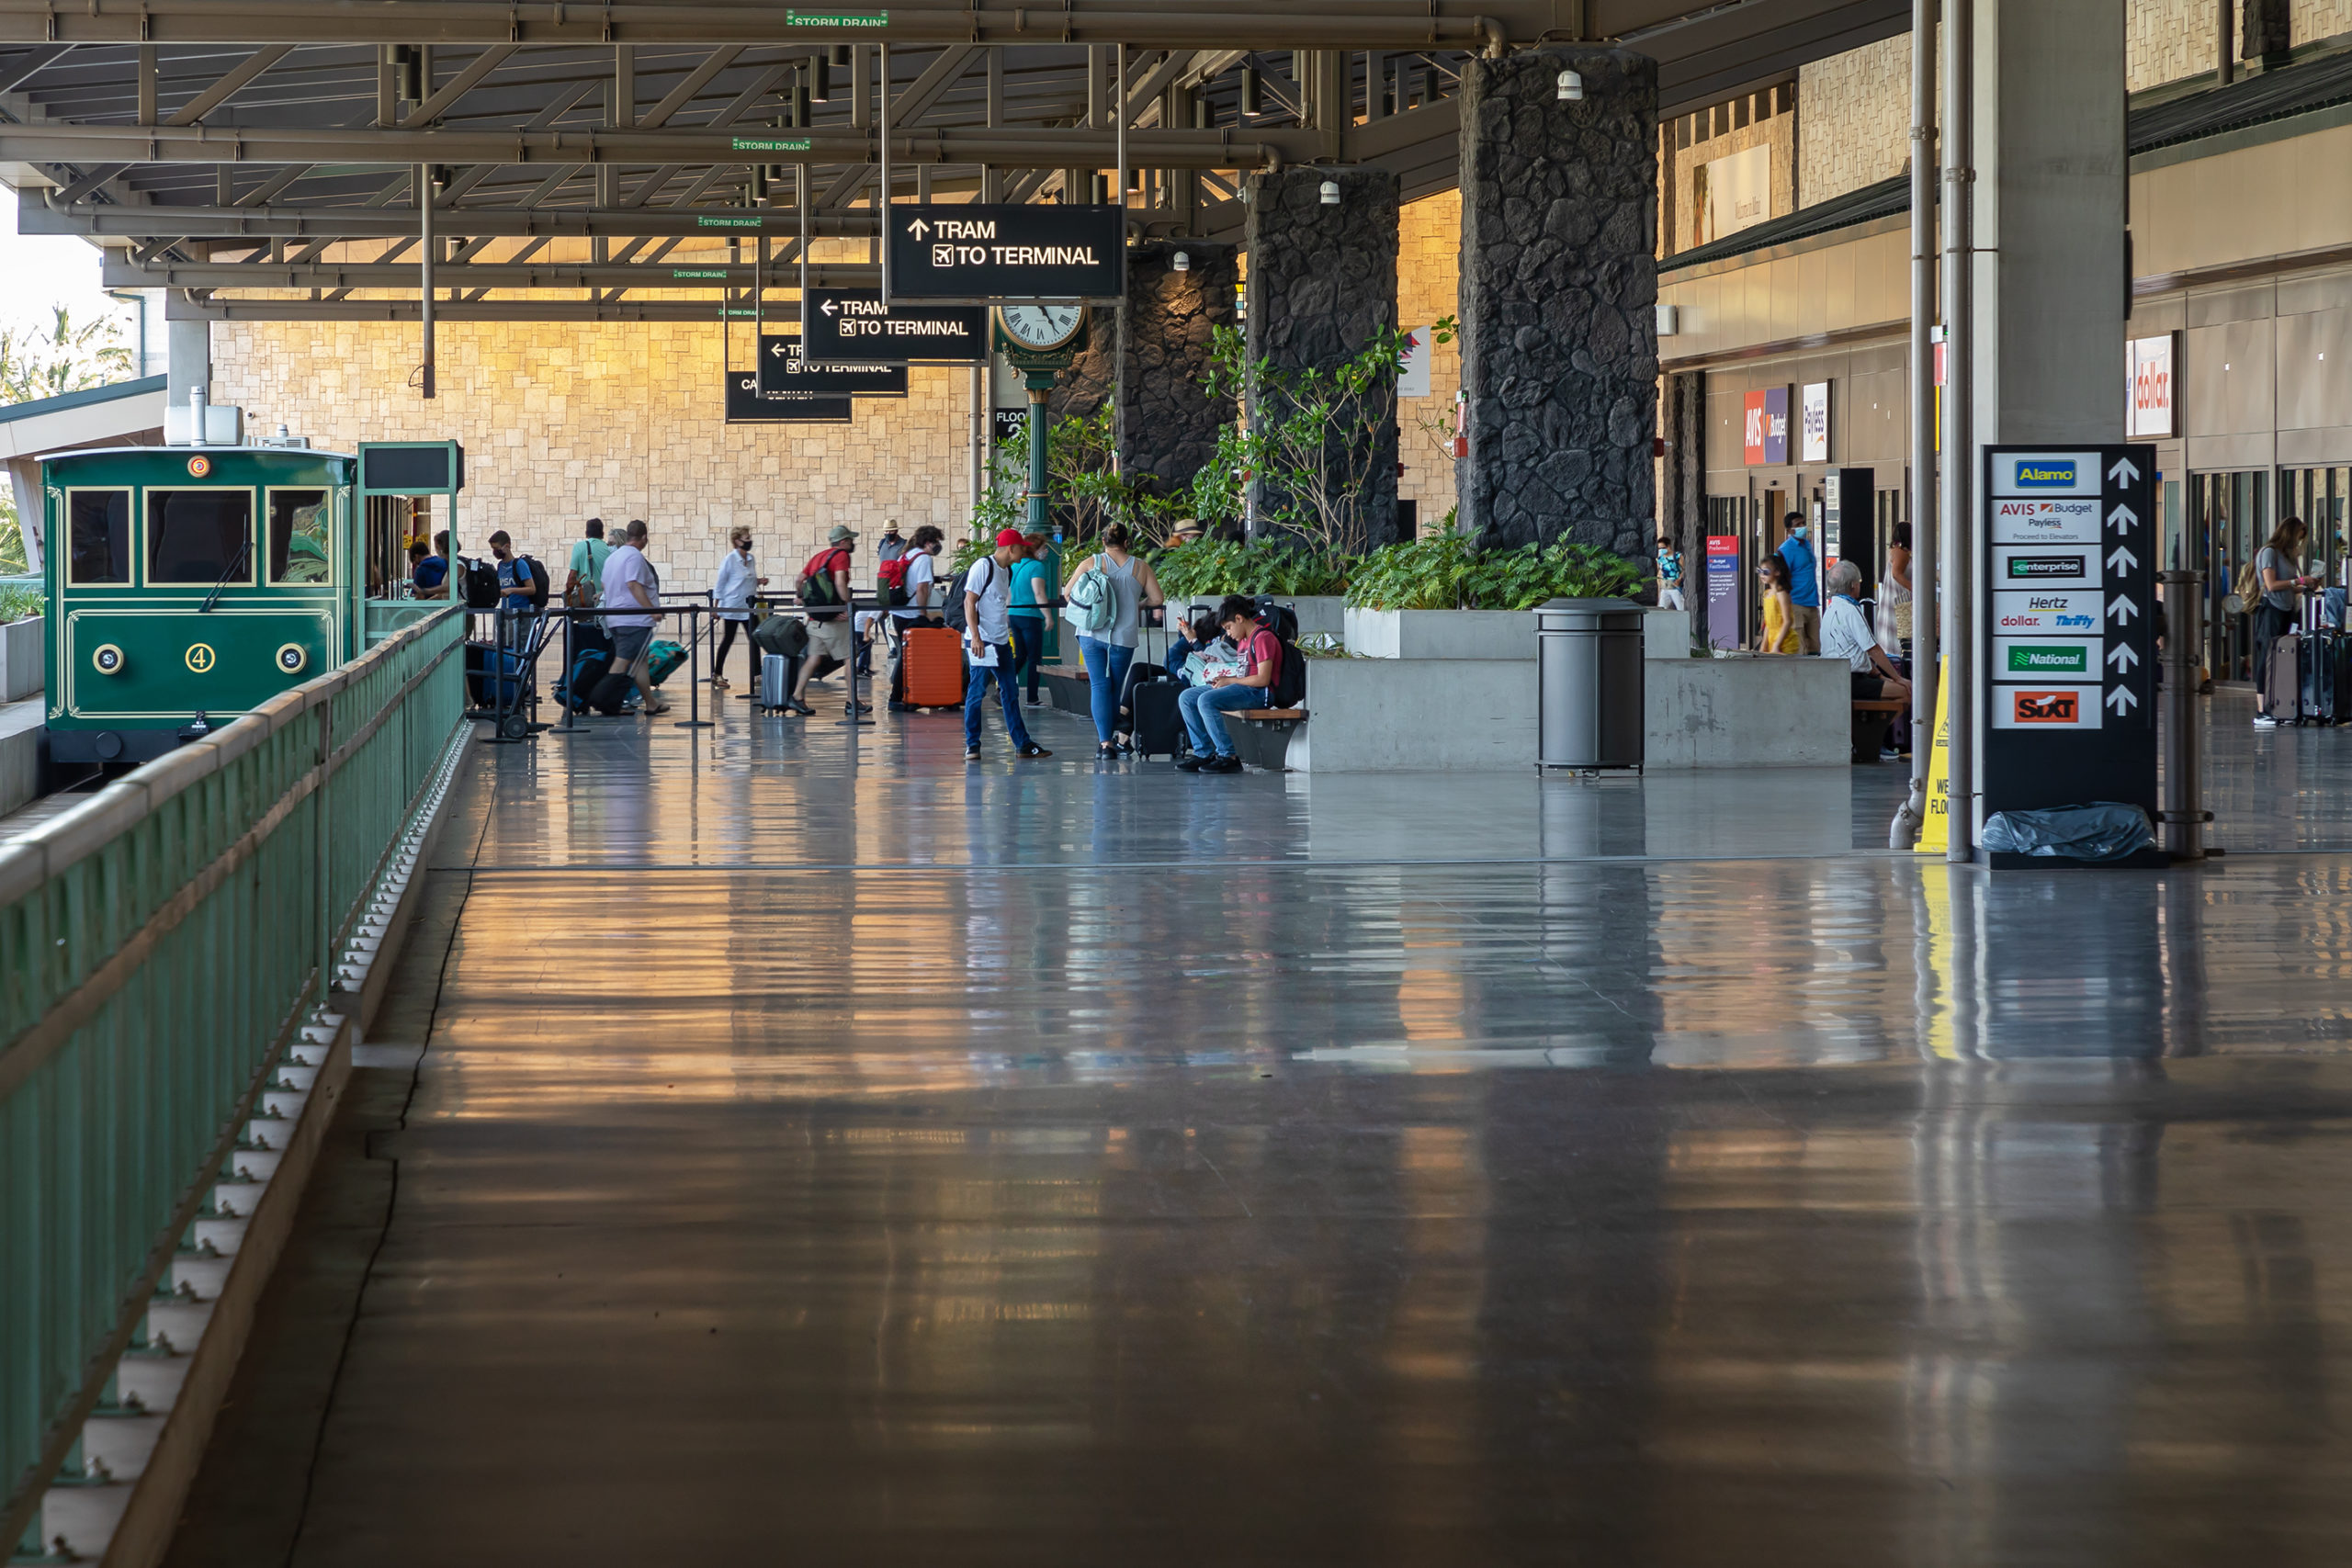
<point x="2122" y="658"/>
<point x="2121" y="608"/>
<point x="2121" y="698"/>
<point x="2122" y="519"/>
<point x="778" y="350"/>
<point x="2123" y="473"/>
<point x="919" y="228"/>
<point x="828" y="306"/>
<point x="2121" y="559"/>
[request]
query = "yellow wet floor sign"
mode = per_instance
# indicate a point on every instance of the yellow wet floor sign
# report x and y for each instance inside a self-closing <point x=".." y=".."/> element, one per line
<point x="1935" y="834"/>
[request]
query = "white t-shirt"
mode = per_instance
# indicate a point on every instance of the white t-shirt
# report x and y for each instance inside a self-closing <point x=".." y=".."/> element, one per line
<point x="627" y="565"/>
<point x="993" y="583"/>
<point x="922" y="568"/>
<point x="1845" y="634"/>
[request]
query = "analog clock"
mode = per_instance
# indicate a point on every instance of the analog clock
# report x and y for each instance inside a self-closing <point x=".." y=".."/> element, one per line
<point x="1041" y="327"/>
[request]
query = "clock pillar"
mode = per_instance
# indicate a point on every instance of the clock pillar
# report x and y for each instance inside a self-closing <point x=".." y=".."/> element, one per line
<point x="1040" y="382"/>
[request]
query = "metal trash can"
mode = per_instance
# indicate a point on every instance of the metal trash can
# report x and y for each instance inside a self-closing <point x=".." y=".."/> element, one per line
<point x="1588" y="683"/>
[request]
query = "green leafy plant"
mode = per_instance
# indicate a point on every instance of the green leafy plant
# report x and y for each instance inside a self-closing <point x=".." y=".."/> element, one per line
<point x="18" y="601"/>
<point x="1309" y="441"/>
<point x="1210" y="566"/>
<point x="1447" y="571"/>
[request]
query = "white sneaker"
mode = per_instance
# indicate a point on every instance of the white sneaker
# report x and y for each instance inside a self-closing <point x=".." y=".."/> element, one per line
<point x="2264" y="721"/>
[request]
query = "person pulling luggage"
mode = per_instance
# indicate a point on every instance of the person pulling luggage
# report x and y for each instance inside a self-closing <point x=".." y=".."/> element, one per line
<point x="731" y="597"/>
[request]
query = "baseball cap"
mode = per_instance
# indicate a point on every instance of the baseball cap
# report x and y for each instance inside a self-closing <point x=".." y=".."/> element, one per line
<point x="1010" y="536"/>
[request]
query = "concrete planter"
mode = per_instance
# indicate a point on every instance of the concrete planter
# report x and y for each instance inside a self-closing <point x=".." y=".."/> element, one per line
<point x="1370" y="715"/>
<point x="1747" y="712"/>
<point x="22" y="660"/>
<point x="1441" y="634"/>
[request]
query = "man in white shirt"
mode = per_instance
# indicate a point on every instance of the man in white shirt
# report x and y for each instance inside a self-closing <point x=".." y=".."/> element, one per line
<point x="988" y="643"/>
<point x="630" y="582"/>
<point x="1845" y="634"/>
<point x="926" y="599"/>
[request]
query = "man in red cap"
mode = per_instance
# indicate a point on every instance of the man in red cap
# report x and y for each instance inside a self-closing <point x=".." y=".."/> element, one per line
<point x="987" y="645"/>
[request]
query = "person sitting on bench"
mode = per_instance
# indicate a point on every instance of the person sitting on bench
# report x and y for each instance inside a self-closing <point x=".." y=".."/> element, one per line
<point x="1845" y="634"/>
<point x="1205" y="707"/>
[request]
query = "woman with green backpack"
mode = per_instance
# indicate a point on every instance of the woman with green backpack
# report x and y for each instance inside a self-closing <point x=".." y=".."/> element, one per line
<point x="1106" y="598"/>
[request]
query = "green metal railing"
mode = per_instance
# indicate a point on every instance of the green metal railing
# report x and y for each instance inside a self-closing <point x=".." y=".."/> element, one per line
<point x="159" y="948"/>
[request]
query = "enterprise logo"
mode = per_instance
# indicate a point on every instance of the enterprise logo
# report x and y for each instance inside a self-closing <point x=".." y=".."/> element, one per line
<point x="2032" y="474"/>
<point x="2028" y="568"/>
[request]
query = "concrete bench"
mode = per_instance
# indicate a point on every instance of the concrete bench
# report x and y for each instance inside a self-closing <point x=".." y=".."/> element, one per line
<point x="1264" y="741"/>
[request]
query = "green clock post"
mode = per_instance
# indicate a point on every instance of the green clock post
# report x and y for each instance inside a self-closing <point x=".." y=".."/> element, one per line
<point x="1041" y="341"/>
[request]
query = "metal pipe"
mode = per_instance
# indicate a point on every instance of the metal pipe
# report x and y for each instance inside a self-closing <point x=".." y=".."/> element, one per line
<point x="2180" y="808"/>
<point x="1925" y="671"/>
<point x="882" y="208"/>
<point x="1959" y="540"/>
<point x="1119" y="316"/>
<point x="2225" y="53"/>
<point x="424" y="281"/>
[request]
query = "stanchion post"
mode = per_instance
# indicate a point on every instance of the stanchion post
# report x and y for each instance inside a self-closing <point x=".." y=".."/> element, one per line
<point x="570" y="661"/>
<point x="2181" y="804"/>
<point x="850" y="716"/>
<point x="694" y="720"/>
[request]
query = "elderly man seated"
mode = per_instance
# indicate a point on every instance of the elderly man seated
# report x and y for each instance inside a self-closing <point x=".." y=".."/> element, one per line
<point x="1845" y="634"/>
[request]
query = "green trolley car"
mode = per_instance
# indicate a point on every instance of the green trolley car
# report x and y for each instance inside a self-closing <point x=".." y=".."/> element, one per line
<point x="190" y="584"/>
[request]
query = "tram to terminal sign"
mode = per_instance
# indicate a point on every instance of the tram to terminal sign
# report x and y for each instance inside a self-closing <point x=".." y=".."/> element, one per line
<point x="2070" y="627"/>
<point x="970" y="253"/>
<point x="783" y="369"/>
<point x="746" y="404"/>
<point x="853" y="324"/>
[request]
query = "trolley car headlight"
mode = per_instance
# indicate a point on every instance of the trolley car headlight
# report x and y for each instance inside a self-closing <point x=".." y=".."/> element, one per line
<point x="107" y="660"/>
<point x="292" y="659"/>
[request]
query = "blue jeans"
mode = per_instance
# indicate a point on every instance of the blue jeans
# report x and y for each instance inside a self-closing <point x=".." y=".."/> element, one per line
<point x="1106" y="673"/>
<point x="1028" y="649"/>
<point x="1204" y="708"/>
<point x="976" y="692"/>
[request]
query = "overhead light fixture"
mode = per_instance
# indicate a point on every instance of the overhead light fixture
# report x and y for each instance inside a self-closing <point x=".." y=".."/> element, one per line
<point x="1249" y="92"/>
<point x="1183" y="262"/>
<point x="1571" y="87"/>
<point x="821" y="68"/>
<point x="1331" y="193"/>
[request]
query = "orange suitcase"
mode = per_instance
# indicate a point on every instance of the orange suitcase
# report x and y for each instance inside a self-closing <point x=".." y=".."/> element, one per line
<point x="930" y="670"/>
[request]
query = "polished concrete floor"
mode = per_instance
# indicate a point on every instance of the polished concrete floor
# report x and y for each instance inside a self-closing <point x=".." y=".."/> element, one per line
<point x="785" y="1149"/>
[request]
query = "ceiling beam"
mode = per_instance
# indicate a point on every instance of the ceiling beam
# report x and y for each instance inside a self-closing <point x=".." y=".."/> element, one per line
<point x="193" y="111"/>
<point x="179" y="305"/>
<point x="481" y="65"/>
<point x="120" y="272"/>
<point x="355" y="223"/>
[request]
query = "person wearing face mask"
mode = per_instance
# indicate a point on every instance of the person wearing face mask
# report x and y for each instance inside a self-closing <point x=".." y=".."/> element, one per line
<point x="1805" y="581"/>
<point x="731" y="598"/>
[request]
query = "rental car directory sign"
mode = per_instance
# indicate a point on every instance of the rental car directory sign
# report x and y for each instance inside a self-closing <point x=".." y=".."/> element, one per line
<point x="2071" y="617"/>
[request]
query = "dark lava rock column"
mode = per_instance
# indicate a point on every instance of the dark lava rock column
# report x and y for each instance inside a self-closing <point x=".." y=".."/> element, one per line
<point x="1169" y="425"/>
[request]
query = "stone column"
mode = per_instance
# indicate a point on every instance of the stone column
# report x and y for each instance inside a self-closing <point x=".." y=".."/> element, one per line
<point x="1559" y="295"/>
<point x="1322" y="280"/>
<point x="1169" y="427"/>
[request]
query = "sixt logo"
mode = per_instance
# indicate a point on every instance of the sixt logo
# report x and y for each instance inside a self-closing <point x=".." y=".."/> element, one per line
<point x="2038" y="475"/>
<point x="2047" y="708"/>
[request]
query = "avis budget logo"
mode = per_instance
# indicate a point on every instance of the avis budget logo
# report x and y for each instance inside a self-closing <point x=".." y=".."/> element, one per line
<point x="2047" y="708"/>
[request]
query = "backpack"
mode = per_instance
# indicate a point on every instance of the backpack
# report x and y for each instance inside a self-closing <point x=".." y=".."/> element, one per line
<point x="480" y="584"/>
<point x="952" y="613"/>
<point x="2247" y="587"/>
<point x="1290" y="682"/>
<point x="892" y="576"/>
<point x="817" y="583"/>
<point x="538" y="582"/>
<point x="1280" y="619"/>
<point x="784" y="635"/>
<point x="1094" y="606"/>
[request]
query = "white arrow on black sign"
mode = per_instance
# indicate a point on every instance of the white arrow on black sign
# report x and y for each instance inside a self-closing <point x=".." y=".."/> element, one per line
<point x="2123" y="473"/>
<point x="919" y="229"/>
<point x="828" y="306"/>
<point x="2121" y="559"/>
<point x="2121" y="657"/>
<point x="778" y="350"/>
<point x="2121" y="698"/>
<point x="2122" y="519"/>
<point x="2121" y="608"/>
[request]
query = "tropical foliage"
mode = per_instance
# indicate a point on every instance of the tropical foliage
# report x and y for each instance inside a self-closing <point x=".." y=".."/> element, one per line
<point x="1309" y="441"/>
<point x="18" y="601"/>
<point x="1210" y="566"/>
<point x="69" y="357"/>
<point x="1447" y="571"/>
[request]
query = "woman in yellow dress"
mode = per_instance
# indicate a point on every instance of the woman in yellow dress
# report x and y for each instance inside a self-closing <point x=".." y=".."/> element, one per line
<point x="1780" y="610"/>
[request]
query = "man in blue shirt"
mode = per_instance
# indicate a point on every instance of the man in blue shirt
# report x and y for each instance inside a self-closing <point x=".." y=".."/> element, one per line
<point x="514" y="586"/>
<point x="1805" y="581"/>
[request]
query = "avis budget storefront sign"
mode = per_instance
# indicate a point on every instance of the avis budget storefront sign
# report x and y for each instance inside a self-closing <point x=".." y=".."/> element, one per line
<point x="1764" y="438"/>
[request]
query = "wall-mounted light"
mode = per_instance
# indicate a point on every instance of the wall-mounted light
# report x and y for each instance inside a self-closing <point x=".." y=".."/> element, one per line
<point x="1571" y="87"/>
<point x="1669" y="320"/>
<point x="1331" y="193"/>
<point x="1183" y="262"/>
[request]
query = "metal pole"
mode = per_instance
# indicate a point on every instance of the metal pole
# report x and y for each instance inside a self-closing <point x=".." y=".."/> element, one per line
<point x="882" y="210"/>
<point x="424" y="311"/>
<point x="2182" y="809"/>
<point x="1119" y="317"/>
<point x="849" y="715"/>
<point x="801" y="194"/>
<point x="1037" y="472"/>
<point x="694" y="720"/>
<point x="570" y="661"/>
<point x="1913" y="815"/>
<point x="2226" y="53"/>
<point x="981" y="421"/>
<point x="1958" y="543"/>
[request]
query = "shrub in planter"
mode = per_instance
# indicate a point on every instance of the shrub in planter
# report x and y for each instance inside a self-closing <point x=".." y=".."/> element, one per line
<point x="1447" y="571"/>
<point x="1207" y="568"/>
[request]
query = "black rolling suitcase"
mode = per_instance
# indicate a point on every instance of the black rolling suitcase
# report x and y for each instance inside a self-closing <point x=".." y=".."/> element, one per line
<point x="1158" y="729"/>
<point x="2315" y="679"/>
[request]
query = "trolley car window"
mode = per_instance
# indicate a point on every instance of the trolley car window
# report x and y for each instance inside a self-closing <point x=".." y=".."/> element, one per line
<point x="199" y="536"/>
<point x="100" y="525"/>
<point x="298" y="537"/>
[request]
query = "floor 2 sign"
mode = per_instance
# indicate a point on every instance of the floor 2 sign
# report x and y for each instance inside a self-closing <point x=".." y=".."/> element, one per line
<point x="2070" y="627"/>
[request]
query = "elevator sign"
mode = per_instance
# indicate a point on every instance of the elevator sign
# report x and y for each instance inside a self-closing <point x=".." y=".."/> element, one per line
<point x="2070" y="622"/>
<point x="972" y="254"/>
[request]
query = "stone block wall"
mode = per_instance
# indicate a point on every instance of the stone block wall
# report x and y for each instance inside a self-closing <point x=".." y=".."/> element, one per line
<point x="1560" y="291"/>
<point x="1693" y="141"/>
<point x="561" y="422"/>
<point x="2317" y="19"/>
<point x="1857" y="119"/>
<point x="1428" y="287"/>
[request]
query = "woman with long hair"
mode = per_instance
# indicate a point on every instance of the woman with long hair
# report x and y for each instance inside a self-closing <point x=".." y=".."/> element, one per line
<point x="2280" y="587"/>
<point x="1779" y="608"/>
<point x="1129" y="589"/>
